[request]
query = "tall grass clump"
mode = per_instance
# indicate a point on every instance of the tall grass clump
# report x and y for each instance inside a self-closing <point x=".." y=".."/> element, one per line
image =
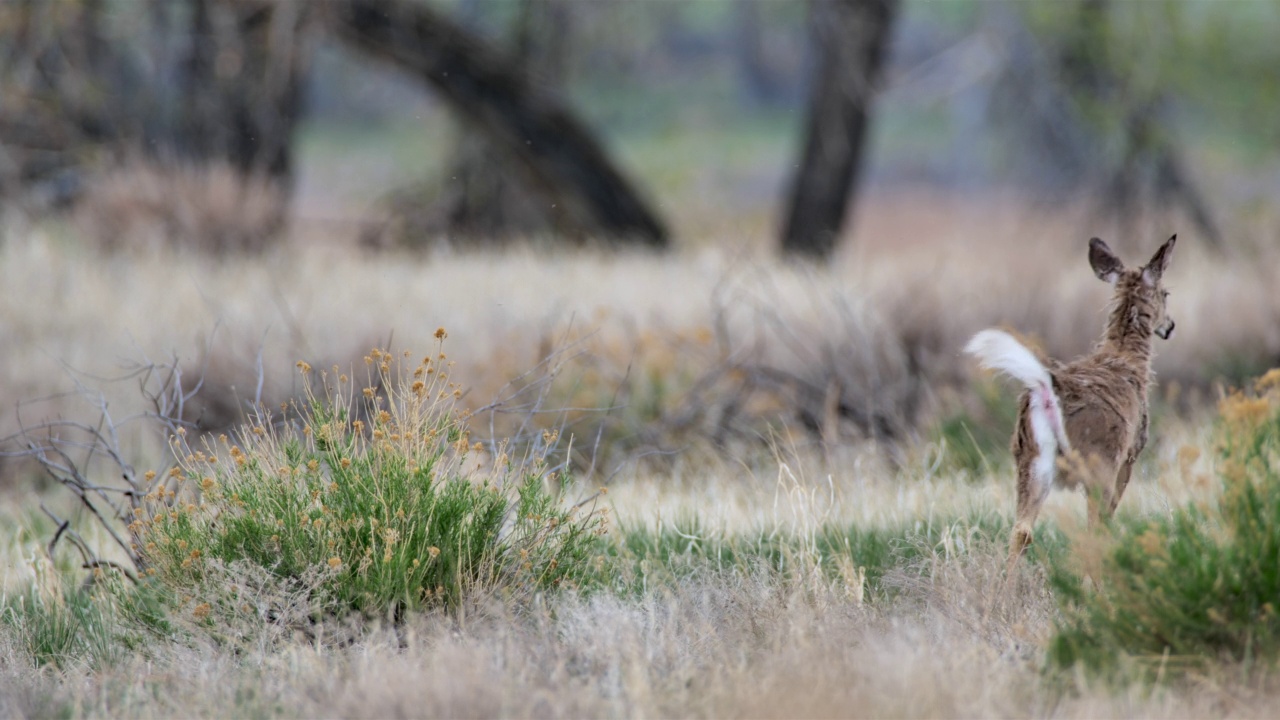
<point x="371" y="497"/>
<point x="59" y="628"/>
<point x="89" y="624"/>
<point x="1199" y="585"/>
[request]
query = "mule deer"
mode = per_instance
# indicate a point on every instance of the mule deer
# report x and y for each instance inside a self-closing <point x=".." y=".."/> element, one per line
<point x="1085" y="423"/>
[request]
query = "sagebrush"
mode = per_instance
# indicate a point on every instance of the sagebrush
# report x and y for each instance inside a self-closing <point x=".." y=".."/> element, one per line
<point x="373" y="493"/>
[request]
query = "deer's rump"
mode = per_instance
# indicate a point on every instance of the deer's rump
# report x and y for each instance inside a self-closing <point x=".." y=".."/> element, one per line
<point x="1100" y="409"/>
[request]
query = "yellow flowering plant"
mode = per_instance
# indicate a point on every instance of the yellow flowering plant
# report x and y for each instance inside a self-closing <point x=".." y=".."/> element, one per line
<point x="377" y="489"/>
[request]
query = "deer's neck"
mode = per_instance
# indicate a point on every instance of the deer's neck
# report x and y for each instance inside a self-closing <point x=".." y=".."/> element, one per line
<point x="1130" y="330"/>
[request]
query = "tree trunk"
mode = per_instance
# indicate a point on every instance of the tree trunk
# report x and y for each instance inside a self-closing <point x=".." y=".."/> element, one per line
<point x="557" y="153"/>
<point x="852" y="37"/>
<point x="244" y="74"/>
<point x="1151" y="171"/>
<point x="482" y="199"/>
<point x="1099" y="131"/>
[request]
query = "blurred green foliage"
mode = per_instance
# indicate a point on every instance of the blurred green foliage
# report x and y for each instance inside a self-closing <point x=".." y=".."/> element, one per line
<point x="978" y="443"/>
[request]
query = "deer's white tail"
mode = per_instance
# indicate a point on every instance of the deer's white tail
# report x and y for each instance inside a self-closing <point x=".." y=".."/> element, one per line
<point x="998" y="350"/>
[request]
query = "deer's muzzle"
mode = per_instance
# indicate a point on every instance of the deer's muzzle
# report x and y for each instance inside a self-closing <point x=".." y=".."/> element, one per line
<point x="1165" y="329"/>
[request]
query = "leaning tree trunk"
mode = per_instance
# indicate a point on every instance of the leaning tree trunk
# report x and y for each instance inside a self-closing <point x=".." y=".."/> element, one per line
<point x="852" y="37"/>
<point x="482" y="200"/>
<point x="556" y="152"/>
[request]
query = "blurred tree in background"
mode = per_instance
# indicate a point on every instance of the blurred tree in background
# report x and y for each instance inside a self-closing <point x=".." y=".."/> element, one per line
<point x="1090" y="92"/>
<point x="560" y="157"/>
<point x="485" y="201"/>
<point x="579" y="120"/>
<point x="241" y="90"/>
<point x="852" y="40"/>
<point x="481" y="196"/>
<point x="91" y="83"/>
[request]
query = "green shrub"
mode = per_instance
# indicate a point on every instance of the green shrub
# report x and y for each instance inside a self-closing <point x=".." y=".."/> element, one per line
<point x="372" y="498"/>
<point x="1199" y="585"/>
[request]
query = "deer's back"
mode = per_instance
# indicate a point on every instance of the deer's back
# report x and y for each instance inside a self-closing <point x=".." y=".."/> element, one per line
<point x="1103" y="398"/>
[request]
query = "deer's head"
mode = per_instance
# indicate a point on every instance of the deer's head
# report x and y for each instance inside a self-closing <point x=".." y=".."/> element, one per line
<point x="1142" y="285"/>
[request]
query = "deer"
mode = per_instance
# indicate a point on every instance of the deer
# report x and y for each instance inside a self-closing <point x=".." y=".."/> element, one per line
<point x="1084" y="423"/>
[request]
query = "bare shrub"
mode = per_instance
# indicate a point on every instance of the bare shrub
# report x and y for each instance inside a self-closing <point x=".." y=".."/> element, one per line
<point x="153" y="206"/>
<point x="776" y="358"/>
<point x="90" y="457"/>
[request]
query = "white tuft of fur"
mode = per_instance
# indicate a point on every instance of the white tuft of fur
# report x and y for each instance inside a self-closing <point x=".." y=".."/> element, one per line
<point x="998" y="350"/>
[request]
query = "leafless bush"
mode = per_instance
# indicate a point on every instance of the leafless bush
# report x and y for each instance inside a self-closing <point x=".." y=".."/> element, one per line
<point x="153" y="206"/>
<point x="92" y="458"/>
<point x="819" y="368"/>
<point x="829" y="359"/>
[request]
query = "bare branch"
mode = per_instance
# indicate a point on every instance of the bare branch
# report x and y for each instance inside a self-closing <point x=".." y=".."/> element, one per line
<point x="76" y="454"/>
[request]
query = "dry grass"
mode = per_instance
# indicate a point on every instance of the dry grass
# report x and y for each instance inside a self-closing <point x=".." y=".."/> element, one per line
<point x="867" y="492"/>
<point x="720" y="646"/>
<point x="743" y="643"/>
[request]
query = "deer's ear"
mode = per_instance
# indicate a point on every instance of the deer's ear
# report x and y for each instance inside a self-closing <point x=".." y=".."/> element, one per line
<point x="1154" y="270"/>
<point x="1105" y="264"/>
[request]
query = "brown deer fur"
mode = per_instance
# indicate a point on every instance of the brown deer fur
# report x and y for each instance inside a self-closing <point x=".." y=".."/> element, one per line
<point x="1100" y="400"/>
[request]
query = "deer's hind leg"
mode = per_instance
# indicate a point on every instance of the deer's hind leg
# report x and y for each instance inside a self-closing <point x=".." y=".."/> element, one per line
<point x="1122" y="480"/>
<point x="1036" y="467"/>
<point x="1103" y="481"/>
<point x="1126" y="467"/>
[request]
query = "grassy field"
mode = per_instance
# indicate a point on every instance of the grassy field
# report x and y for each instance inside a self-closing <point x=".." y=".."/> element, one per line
<point x="789" y="595"/>
<point x="763" y="556"/>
